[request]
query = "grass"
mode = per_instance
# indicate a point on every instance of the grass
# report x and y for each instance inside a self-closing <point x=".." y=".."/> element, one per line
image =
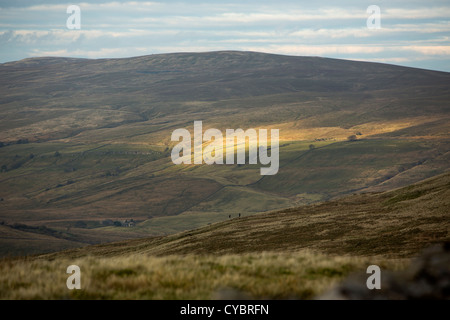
<point x="407" y="196"/>
<point x="115" y="181"/>
<point x="296" y="253"/>
<point x="362" y="225"/>
<point x="267" y="275"/>
<point x="95" y="182"/>
<point x="16" y="242"/>
<point x="344" y="166"/>
<point x="110" y="122"/>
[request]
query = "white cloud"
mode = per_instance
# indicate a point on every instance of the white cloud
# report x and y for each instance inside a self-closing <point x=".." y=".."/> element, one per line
<point x="318" y="50"/>
<point x="387" y="60"/>
<point x="42" y="7"/>
<point x="415" y="13"/>
<point x="55" y="53"/>
<point x="92" y="54"/>
<point x="430" y="50"/>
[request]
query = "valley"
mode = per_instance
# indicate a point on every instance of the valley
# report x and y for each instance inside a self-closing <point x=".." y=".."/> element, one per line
<point x="86" y="144"/>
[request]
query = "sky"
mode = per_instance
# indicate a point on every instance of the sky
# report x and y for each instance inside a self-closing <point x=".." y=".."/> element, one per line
<point x="411" y="33"/>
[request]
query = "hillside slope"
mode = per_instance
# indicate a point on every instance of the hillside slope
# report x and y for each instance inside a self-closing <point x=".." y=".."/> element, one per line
<point x="395" y="224"/>
<point x="86" y="143"/>
<point x="291" y="254"/>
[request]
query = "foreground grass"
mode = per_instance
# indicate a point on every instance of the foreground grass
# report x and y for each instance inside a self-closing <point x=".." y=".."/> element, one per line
<point x="299" y="275"/>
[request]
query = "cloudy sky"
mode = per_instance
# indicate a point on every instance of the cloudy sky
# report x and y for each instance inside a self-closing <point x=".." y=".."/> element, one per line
<point x="412" y="33"/>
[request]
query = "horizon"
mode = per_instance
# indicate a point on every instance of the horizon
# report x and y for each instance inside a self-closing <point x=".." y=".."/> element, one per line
<point x="219" y="51"/>
<point x="413" y="34"/>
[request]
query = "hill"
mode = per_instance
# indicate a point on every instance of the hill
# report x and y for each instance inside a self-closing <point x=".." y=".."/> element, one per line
<point x="398" y="223"/>
<point x="296" y="253"/>
<point x="86" y="143"/>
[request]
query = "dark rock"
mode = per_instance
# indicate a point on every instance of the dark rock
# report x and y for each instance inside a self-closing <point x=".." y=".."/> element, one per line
<point x="428" y="277"/>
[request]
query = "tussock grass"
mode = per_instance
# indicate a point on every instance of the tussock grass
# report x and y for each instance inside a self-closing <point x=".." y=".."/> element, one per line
<point x="267" y="275"/>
